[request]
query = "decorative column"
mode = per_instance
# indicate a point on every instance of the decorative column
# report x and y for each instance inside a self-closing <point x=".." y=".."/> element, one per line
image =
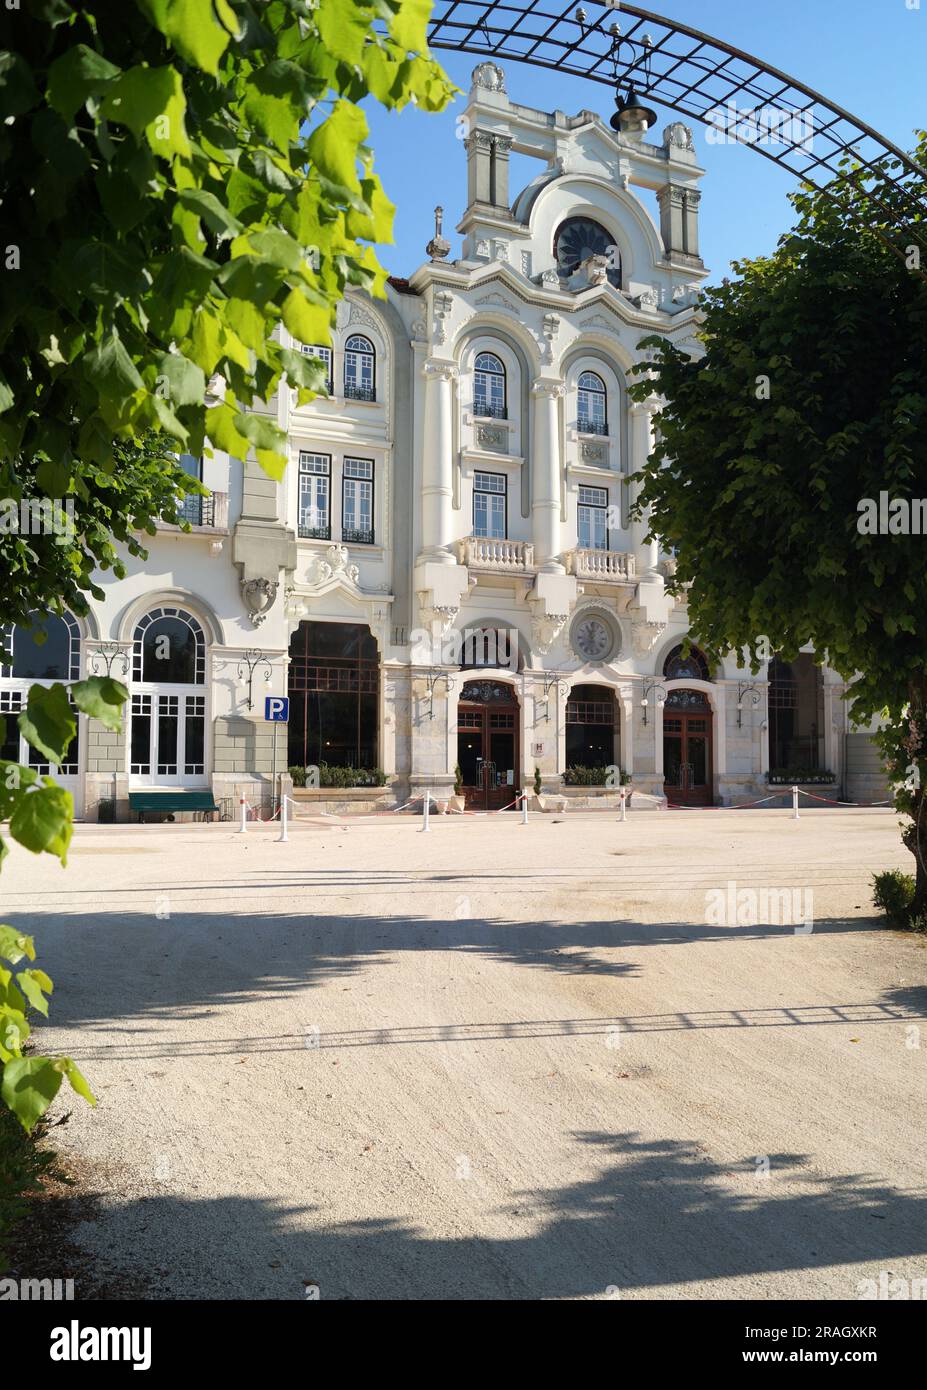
<point x="545" y="474"/>
<point x="672" y="200"/>
<point x="690" y="221"/>
<point x="646" y="553"/>
<point x="478" y="145"/>
<point x="437" y="461"/>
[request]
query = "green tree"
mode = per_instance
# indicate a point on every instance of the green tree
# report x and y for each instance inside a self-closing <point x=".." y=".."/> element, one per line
<point x="179" y="180"/>
<point x="811" y="396"/>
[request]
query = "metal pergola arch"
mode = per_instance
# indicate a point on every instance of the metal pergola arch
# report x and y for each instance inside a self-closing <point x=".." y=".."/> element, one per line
<point x="689" y="72"/>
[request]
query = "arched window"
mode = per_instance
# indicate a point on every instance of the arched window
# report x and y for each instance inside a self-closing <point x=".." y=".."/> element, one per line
<point x="592" y="408"/>
<point x="168" y="724"/>
<point x="169" y="648"/>
<point x="47" y="650"/>
<point x="359" y="369"/>
<point x="37" y="661"/>
<point x="489" y="386"/>
<point x="577" y="239"/>
<point x="677" y="667"/>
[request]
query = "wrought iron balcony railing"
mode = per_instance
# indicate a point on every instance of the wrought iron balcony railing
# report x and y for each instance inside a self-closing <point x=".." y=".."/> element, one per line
<point x="353" y="392"/>
<point x="355" y="535"/>
<point x="314" y="533"/>
<point x="210" y="512"/>
<point x="486" y="410"/>
<point x="592" y="426"/>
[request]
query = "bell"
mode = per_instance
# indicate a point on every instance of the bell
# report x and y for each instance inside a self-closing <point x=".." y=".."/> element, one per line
<point x="632" y="114"/>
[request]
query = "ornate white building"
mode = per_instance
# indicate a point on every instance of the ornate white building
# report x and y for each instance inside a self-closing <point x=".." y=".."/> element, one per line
<point x="448" y="578"/>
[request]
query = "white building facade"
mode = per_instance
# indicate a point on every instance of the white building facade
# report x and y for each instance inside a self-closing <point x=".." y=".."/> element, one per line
<point x="447" y="583"/>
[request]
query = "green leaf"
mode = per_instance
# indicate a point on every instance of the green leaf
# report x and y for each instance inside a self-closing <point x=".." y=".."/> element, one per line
<point x="18" y="92"/>
<point x="33" y="983"/>
<point x="42" y="820"/>
<point x="15" y="945"/>
<point x="29" y="1086"/>
<point x="332" y="147"/>
<point x="192" y="28"/>
<point x="76" y="75"/>
<point x="102" y="698"/>
<point x="151" y="101"/>
<point x="216" y="216"/>
<point x="48" y="721"/>
<point x="185" y="381"/>
<point x="409" y="26"/>
<point x="309" y="323"/>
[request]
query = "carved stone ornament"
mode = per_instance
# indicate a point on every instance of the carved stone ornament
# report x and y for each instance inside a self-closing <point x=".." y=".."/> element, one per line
<point x="645" y="636"/>
<point x="679" y="136"/>
<point x="546" y="630"/>
<point x="259" y="596"/>
<point x="440" y="616"/>
<point x="492" y="437"/>
<point x="489" y="76"/>
<point x="335" y="565"/>
<point x="439" y="248"/>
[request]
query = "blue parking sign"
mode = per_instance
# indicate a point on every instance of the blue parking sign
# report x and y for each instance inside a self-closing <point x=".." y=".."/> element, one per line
<point x="276" y="708"/>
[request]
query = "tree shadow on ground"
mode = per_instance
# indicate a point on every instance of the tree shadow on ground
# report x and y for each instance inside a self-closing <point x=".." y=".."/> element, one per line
<point x="190" y="963"/>
<point x="655" y="1214"/>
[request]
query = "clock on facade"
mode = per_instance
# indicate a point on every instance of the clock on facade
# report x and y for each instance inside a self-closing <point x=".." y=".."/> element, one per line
<point x="577" y="239"/>
<point x="592" y="639"/>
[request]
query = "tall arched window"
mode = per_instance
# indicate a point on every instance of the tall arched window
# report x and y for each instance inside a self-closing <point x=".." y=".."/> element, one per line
<point x="168" y="732"/>
<point x="46" y="651"/>
<point x="695" y="666"/>
<point x="489" y="386"/>
<point x="359" y="369"/>
<point x="591" y="405"/>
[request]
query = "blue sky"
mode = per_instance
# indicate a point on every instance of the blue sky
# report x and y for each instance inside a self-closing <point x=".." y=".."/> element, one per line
<point x="869" y="56"/>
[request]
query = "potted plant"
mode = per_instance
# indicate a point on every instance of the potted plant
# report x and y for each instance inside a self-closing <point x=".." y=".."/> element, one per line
<point x="456" y="802"/>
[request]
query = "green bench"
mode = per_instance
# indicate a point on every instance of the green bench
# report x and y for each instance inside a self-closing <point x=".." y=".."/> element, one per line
<point x="172" y="801"/>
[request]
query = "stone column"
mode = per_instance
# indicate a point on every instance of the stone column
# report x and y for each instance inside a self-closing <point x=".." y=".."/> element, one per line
<point x="499" y="188"/>
<point x="545" y="474"/>
<point x="478" y="145"/>
<point x="437" y="461"/>
<point x="690" y="221"/>
<point x="646" y="553"/>
<point x="672" y="199"/>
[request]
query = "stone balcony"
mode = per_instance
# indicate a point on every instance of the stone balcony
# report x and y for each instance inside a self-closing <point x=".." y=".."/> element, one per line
<point x="500" y="556"/>
<point x="601" y="566"/>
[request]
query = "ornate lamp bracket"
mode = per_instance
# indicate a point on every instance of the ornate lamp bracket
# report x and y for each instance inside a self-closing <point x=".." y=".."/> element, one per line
<point x="106" y="656"/>
<point x="554" y="679"/>
<point x="745" y="688"/>
<point x="433" y="679"/>
<point x="655" y="689"/>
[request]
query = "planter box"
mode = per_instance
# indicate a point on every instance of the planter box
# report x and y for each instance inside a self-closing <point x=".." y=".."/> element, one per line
<point x="344" y="800"/>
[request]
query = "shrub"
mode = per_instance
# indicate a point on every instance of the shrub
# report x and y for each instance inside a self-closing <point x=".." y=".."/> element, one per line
<point x="298" y="776"/>
<point x="537" y="781"/>
<point x="585" y="777"/>
<point x="893" y="893"/>
<point x="458" y="780"/>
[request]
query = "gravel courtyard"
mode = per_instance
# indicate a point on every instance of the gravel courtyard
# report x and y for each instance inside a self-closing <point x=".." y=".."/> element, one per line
<point x="494" y="1061"/>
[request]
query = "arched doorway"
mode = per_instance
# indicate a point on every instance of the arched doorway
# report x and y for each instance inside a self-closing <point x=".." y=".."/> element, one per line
<point x="687" y="748"/>
<point x="487" y="744"/>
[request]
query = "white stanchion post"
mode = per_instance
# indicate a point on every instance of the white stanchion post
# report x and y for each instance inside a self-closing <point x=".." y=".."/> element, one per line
<point x="624" y="804"/>
<point x="524" y="807"/>
<point x="425" y="825"/>
<point x="795" y="815"/>
<point x="243" y="826"/>
<point x="283" y="819"/>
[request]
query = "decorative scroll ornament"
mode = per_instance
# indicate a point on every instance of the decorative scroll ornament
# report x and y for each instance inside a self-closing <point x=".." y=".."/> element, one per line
<point x="678" y="136"/>
<point x="259" y="596"/>
<point x="334" y="566"/>
<point x="486" y="693"/>
<point x="489" y="76"/>
<point x="644" y="636"/>
<point x="546" y="630"/>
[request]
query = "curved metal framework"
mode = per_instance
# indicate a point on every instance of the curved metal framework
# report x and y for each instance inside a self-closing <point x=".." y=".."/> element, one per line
<point x="692" y="73"/>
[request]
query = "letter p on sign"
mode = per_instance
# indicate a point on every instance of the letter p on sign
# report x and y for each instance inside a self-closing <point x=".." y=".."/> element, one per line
<point x="276" y="708"/>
